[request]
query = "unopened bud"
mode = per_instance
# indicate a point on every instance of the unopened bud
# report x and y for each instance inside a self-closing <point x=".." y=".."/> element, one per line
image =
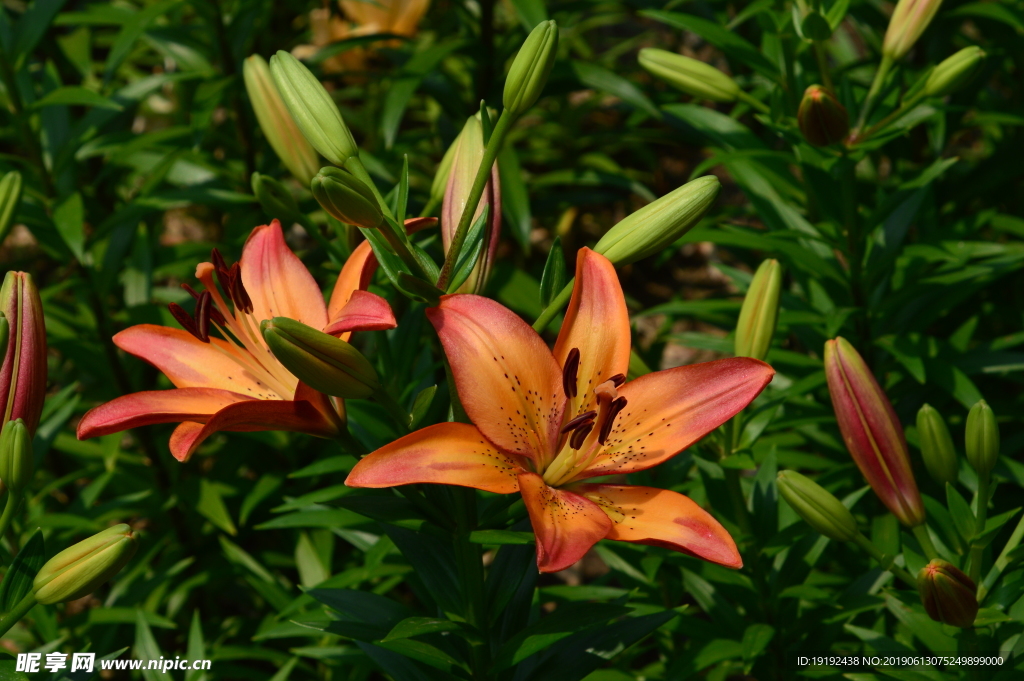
<point x="817" y="506"/>
<point x="15" y="456"/>
<point x="5" y="334"/>
<point x="689" y="75"/>
<point x="23" y="376"/>
<point x="312" y="108"/>
<point x="954" y="72"/>
<point x="531" y="67"/>
<point x="981" y="438"/>
<point x="760" y="312"/>
<point x="275" y="199"/>
<point x="323" y="362"/>
<point x="908" y="22"/>
<point x="872" y="431"/>
<point x="276" y="121"/>
<point x="947" y="594"/>
<point x="444" y="171"/>
<point x="10" y="197"/>
<point x="823" y="120"/>
<point x="660" y="223"/>
<point x="79" y="570"/>
<point x="469" y="153"/>
<point x="346" y="198"/>
<point x="936" y="446"/>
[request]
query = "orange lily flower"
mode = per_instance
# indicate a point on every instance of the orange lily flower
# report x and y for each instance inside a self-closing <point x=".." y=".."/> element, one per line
<point x="234" y="383"/>
<point x="545" y="422"/>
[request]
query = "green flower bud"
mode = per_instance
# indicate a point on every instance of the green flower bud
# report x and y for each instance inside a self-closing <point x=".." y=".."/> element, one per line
<point x="982" y="438"/>
<point x="936" y="446"/>
<point x="908" y="22"/>
<point x="80" y="569"/>
<point x="10" y="197"/>
<point x="276" y="122"/>
<point x="346" y="198"/>
<point x="817" y="506"/>
<point x="15" y="456"/>
<point x="312" y="108"/>
<point x="955" y="72"/>
<point x="689" y="75"/>
<point x="760" y="312"/>
<point x="321" y="361"/>
<point x="660" y="223"/>
<point x="529" y="73"/>
<point x="275" y="199"/>
<point x="947" y="594"/>
<point x="823" y="120"/>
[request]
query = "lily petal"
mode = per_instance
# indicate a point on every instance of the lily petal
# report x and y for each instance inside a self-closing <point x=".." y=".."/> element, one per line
<point x="566" y="524"/>
<point x="446" y="453"/>
<point x="660" y="517"/>
<point x="255" y="415"/>
<point x="355" y="276"/>
<point x="506" y="377"/>
<point x="596" y="323"/>
<point x="364" y="311"/>
<point x="155" y="406"/>
<point x="667" y="411"/>
<point x="182" y="438"/>
<point x="189" y="362"/>
<point x="277" y="281"/>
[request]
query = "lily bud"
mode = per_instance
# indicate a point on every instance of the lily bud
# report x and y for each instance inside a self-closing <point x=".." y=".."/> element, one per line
<point x="936" y="446"/>
<point x="908" y="22"/>
<point x="817" y="506"/>
<point x="321" y="361"/>
<point x="823" y="120"/>
<point x="529" y="73"/>
<point x="954" y="72"/>
<point x="79" y="570"/>
<point x="312" y="108"/>
<point x="444" y="170"/>
<point x="760" y="312"/>
<point x="23" y="376"/>
<point x="947" y="594"/>
<point x="660" y="223"/>
<point x="275" y="199"/>
<point x="346" y="198"/>
<point x="468" y="154"/>
<point x="276" y="122"/>
<point x="10" y="197"/>
<point x="691" y="76"/>
<point x="872" y="432"/>
<point x="982" y="438"/>
<point x="5" y="334"/>
<point x="15" y="456"/>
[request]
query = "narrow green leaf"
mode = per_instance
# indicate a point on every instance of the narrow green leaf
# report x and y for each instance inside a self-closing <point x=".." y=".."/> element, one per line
<point x="554" y="276"/>
<point x="17" y="580"/>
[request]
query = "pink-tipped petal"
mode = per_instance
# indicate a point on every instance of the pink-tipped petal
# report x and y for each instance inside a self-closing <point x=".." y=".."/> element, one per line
<point x="565" y="523"/>
<point x="446" y="453"/>
<point x="277" y="281"/>
<point x="667" y="411"/>
<point x="155" y="406"/>
<point x="364" y="311"/>
<point x="507" y="379"/>
<point x="355" y="276"/>
<point x="182" y="439"/>
<point x="659" y="517"/>
<point x="597" y="324"/>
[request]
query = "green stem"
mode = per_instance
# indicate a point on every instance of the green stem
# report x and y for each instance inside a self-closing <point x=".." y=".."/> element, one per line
<point x="887" y="562"/>
<point x="753" y="101"/>
<point x="899" y="113"/>
<point x="16" y="613"/>
<point x="10" y="510"/>
<point x="1002" y="561"/>
<point x="819" y="54"/>
<point x="399" y="415"/>
<point x="876" y="86"/>
<point x="554" y="307"/>
<point x="984" y="480"/>
<point x="471" y="572"/>
<point x="732" y="482"/>
<point x="483" y="174"/>
<point x="923" y="538"/>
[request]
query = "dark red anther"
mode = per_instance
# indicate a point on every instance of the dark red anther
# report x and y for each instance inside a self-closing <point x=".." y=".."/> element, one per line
<point x="239" y="294"/>
<point x="184" y="319"/>
<point x="613" y="410"/>
<point x="191" y="291"/>
<point x="218" y="260"/>
<point x="203" y="316"/>
<point x="580" y="434"/>
<point x="578" y="421"/>
<point x="570" y="371"/>
<point x="618" y="379"/>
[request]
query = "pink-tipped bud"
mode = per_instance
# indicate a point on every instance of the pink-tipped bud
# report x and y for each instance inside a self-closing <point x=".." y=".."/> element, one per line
<point x="23" y="376"/>
<point x="823" y="120"/>
<point x="908" y="22"/>
<point x="465" y="161"/>
<point x="947" y="594"/>
<point x="871" y="431"/>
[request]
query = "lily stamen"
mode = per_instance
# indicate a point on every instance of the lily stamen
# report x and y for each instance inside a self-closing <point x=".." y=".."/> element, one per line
<point x="579" y="436"/>
<point x="578" y="421"/>
<point x="569" y="373"/>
